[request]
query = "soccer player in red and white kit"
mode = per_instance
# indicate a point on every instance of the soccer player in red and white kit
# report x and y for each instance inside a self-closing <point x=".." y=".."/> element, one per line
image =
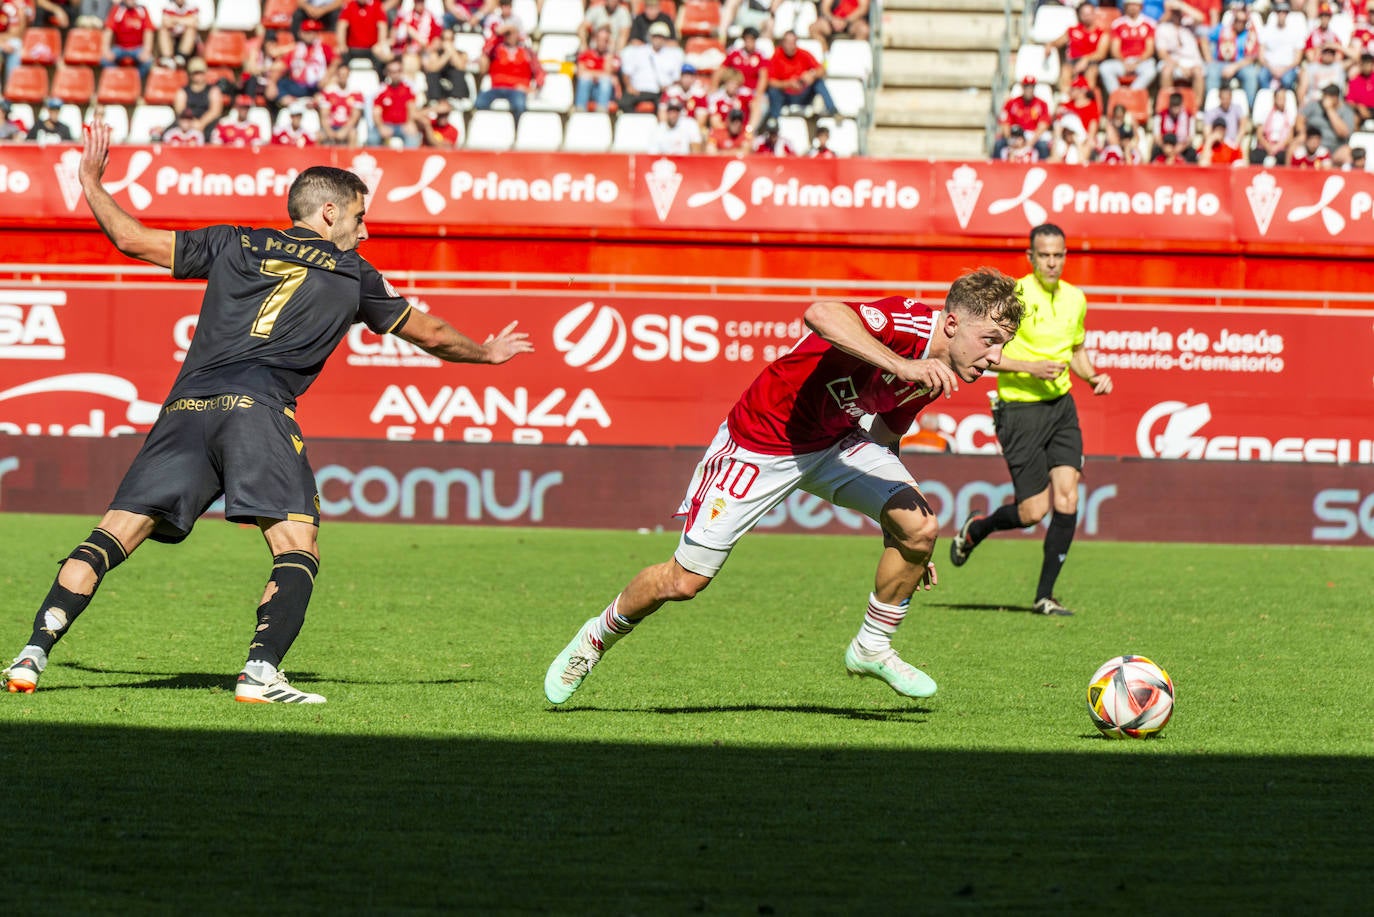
<point x="798" y="426"/>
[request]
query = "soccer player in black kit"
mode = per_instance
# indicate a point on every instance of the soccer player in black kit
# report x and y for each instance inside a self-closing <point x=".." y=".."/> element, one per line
<point x="276" y="304"/>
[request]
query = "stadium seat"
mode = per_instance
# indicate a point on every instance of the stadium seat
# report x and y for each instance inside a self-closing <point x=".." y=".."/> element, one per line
<point x="1237" y="98"/>
<point x="633" y="132"/>
<point x="1137" y="102"/>
<point x="1105" y="16"/>
<point x="539" y="132"/>
<point x="1189" y="100"/>
<point x="276" y="14"/>
<point x="42" y="46"/>
<point x="1051" y="22"/>
<point x="73" y="84"/>
<point x="491" y="130"/>
<point x="118" y="86"/>
<point x="1039" y="61"/>
<point x="82" y="47"/>
<point x="310" y="121"/>
<point x="587" y="132"/>
<point x="146" y="119"/>
<point x="793" y="16"/>
<point x="238" y="15"/>
<point x="70" y="115"/>
<point x="224" y="49"/>
<point x="162" y="85"/>
<point x="795" y="131"/>
<point x="705" y="52"/>
<point x="527" y="11"/>
<point x="21" y="113"/>
<point x="363" y="81"/>
<point x="1364" y="140"/>
<point x="851" y="58"/>
<point x="557" y="52"/>
<point x="700" y="17"/>
<point x="814" y="46"/>
<point x="844" y="135"/>
<point x="28" y="83"/>
<point x="470" y="43"/>
<point x="263" y="119"/>
<point x="116" y="116"/>
<point x="560" y="16"/>
<point x="206" y="12"/>
<point x="849" y="95"/>
<point x="555" y="95"/>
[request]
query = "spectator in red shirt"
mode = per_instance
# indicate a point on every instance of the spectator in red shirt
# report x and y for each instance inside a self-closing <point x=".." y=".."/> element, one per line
<point x="1215" y="150"/>
<point x="1028" y="112"/>
<point x="129" y="36"/>
<point x="363" y="33"/>
<point x="393" y="111"/>
<point x="692" y="92"/>
<point x="1132" y="51"/>
<point x="513" y="69"/>
<point x="596" y="65"/>
<point x="1081" y="48"/>
<point x="730" y="140"/>
<point x="731" y="95"/>
<point x="840" y="19"/>
<point x="1308" y="153"/>
<point x="325" y="12"/>
<point x="794" y="78"/>
<point x="1174" y="121"/>
<point x="1083" y="103"/>
<point x="234" y="129"/>
<point x="184" y="132"/>
<point x="340" y="111"/>
<point x="414" y="28"/>
<point x="293" y="133"/>
<point x="305" y="69"/>
<point x="750" y="62"/>
<point x="1170" y="152"/>
<point x="440" y="131"/>
<point x="179" y="32"/>
<point x="1360" y="92"/>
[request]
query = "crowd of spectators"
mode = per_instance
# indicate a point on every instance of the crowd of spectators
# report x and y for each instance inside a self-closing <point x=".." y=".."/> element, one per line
<point x="294" y="78"/>
<point x="1209" y="82"/>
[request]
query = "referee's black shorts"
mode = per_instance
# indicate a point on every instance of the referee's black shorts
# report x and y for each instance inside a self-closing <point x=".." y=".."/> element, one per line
<point x="1037" y="436"/>
<point x="249" y="451"/>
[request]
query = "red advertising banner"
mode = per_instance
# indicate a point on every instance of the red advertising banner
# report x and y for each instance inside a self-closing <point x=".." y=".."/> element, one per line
<point x="431" y="192"/>
<point x="567" y="487"/>
<point x="631" y="369"/>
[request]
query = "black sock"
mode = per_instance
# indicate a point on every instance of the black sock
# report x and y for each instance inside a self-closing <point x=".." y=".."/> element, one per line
<point x="61" y="607"/>
<point x="1005" y="517"/>
<point x="1057" y="541"/>
<point x="282" y="612"/>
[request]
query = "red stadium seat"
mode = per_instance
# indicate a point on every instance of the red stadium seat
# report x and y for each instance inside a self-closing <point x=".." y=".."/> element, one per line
<point x="1137" y="102"/>
<point x="74" y="84"/>
<point x="276" y="14"/>
<point x="700" y="17"/>
<point x="118" y="86"/>
<point x="42" y="46"/>
<point x="162" y="85"/>
<point x="27" y="83"/>
<point x="82" y="47"/>
<point x="225" y="49"/>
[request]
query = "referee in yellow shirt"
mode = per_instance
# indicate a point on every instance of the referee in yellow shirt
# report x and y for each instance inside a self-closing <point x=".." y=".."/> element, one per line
<point x="1037" y="422"/>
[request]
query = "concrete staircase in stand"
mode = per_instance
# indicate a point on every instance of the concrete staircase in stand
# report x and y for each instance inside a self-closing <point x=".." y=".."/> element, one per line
<point x="939" y="60"/>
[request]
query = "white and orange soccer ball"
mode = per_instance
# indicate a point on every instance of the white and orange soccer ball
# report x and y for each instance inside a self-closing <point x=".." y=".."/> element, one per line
<point x="1130" y="697"/>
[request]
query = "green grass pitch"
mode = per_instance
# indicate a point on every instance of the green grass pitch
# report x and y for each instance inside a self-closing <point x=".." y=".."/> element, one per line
<point x="718" y="761"/>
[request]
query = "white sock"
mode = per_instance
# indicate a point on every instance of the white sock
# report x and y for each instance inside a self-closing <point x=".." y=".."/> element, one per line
<point x="260" y="669"/>
<point x="880" y="623"/>
<point x="39" y="657"/>
<point x="610" y="627"/>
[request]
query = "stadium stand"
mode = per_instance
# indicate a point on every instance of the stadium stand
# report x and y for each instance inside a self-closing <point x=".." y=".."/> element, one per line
<point x="148" y="120"/>
<point x="633" y="131"/>
<point x="74" y="84"/>
<point x="27" y="83"/>
<point x="238" y="15"/>
<point x="41" y="46"/>
<point x="539" y="131"/>
<point x="161" y="86"/>
<point x="491" y="130"/>
<point x="225" y="49"/>
<point x="82" y="47"/>
<point x="118" y="86"/>
<point x="587" y="132"/>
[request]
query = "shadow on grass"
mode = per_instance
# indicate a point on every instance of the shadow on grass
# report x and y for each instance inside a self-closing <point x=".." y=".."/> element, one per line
<point x="907" y="714"/>
<point x="210" y="680"/>
<point x="982" y="606"/>
<point x="148" y="821"/>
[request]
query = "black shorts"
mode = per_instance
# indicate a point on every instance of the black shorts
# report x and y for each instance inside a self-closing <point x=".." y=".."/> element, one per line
<point x="200" y="448"/>
<point x="1037" y="436"/>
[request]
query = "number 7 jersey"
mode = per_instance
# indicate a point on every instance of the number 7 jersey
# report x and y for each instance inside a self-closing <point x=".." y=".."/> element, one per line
<point x="277" y="303"/>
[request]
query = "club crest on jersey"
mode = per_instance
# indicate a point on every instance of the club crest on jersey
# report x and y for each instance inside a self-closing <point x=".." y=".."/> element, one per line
<point x="717" y="508"/>
<point x="874" y="317"/>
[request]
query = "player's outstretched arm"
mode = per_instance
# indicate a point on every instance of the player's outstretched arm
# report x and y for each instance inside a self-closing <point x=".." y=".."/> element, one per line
<point x="438" y="338"/>
<point x="131" y="237"/>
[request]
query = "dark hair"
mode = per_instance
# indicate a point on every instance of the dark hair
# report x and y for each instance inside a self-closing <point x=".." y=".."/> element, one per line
<point x="1045" y="229"/>
<point x="986" y="293"/>
<point x="320" y="185"/>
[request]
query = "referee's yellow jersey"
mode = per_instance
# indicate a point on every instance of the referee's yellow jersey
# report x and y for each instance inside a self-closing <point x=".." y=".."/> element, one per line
<point x="1050" y="330"/>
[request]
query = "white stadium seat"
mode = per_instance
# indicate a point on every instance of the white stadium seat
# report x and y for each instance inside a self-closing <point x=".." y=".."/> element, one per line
<point x="470" y="43"/>
<point x="70" y="115"/>
<point x="238" y="15"/>
<point x="848" y="95"/>
<point x="849" y="58"/>
<point x="146" y="119"/>
<point x="557" y="50"/>
<point x="587" y="132"/>
<point x="116" y="116"/>
<point x="633" y="130"/>
<point x="563" y="16"/>
<point x="555" y="95"/>
<point x="22" y="113"/>
<point x="814" y="45"/>
<point x="527" y="11"/>
<point x="1051" y="22"/>
<point x="262" y="118"/>
<point x="1039" y="61"/>
<point x="206" y="10"/>
<point x="539" y="131"/>
<point x="795" y="131"/>
<point x="844" y="135"/>
<point x="363" y="81"/>
<point x="1364" y="140"/>
<point x="310" y="121"/>
<point x="491" y="130"/>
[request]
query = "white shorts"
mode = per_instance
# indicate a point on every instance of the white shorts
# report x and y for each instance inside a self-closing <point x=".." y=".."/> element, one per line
<point x="733" y="488"/>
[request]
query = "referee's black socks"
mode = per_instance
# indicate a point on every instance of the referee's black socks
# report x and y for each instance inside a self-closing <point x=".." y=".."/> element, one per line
<point x="1057" y="541"/>
<point x="1001" y="519"/>
<point x="61" y="607"/>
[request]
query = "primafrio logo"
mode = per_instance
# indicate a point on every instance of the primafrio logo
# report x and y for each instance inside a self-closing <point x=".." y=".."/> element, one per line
<point x="1033" y="212"/>
<point x="69" y="163"/>
<point x="1331" y="218"/>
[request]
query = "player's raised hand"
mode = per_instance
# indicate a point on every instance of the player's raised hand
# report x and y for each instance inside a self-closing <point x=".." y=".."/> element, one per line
<point x="95" y="153"/>
<point x="505" y="345"/>
<point x="936" y="375"/>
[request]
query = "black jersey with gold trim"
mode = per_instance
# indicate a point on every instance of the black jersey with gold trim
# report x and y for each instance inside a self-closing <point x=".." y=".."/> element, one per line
<point x="277" y="303"/>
